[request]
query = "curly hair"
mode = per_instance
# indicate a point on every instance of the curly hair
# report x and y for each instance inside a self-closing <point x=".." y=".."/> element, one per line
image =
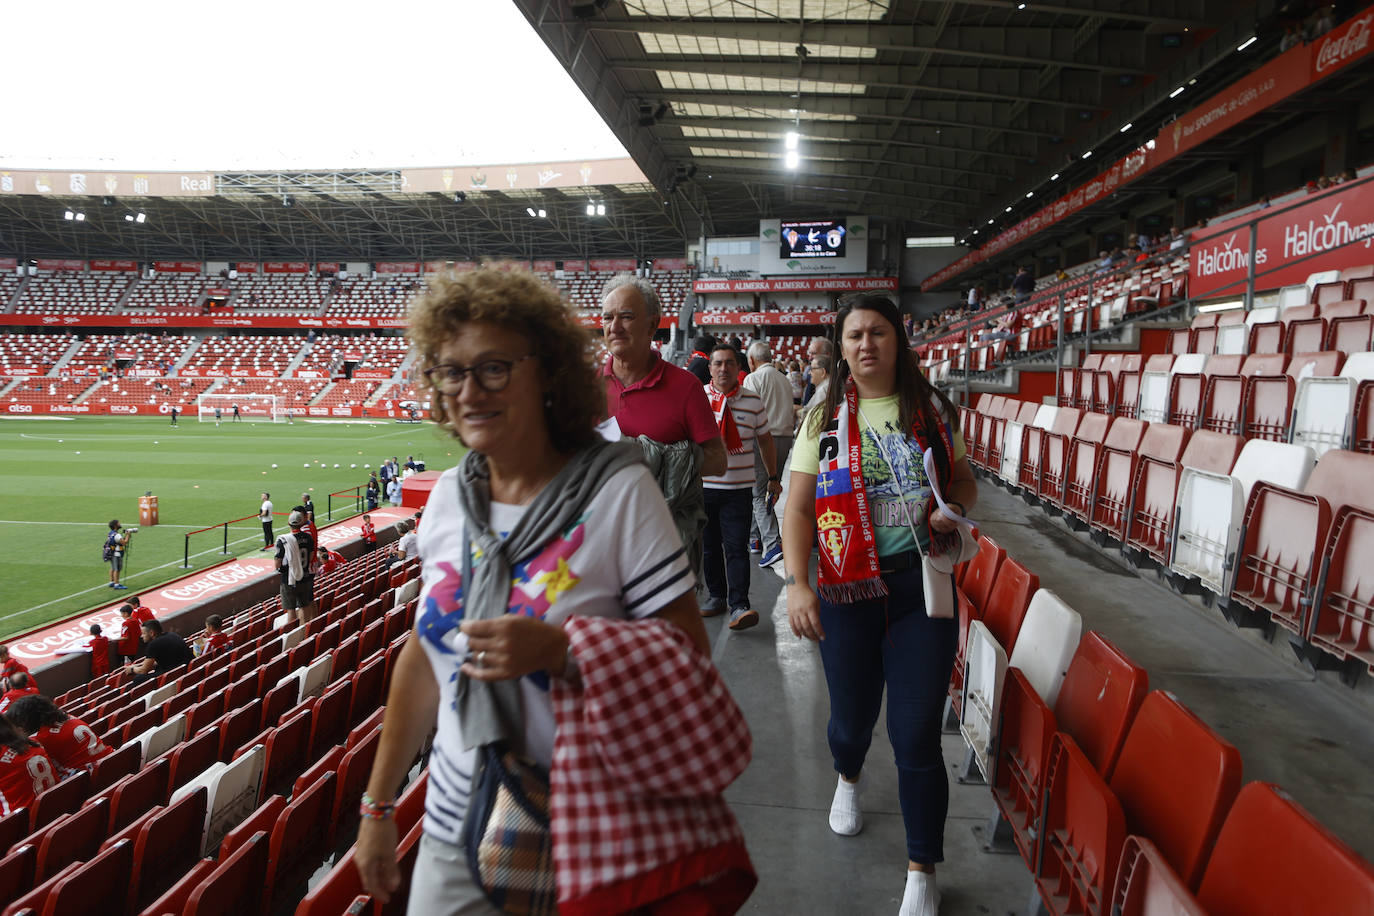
<point x="517" y="301"/>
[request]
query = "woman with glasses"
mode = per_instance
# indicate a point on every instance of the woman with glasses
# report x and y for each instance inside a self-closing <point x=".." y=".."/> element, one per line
<point x="542" y="520"/>
<point x="820" y="378"/>
<point x="860" y="452"/>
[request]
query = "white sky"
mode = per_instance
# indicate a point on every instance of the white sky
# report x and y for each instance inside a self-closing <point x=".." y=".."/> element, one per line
<point x="290" y="84"/>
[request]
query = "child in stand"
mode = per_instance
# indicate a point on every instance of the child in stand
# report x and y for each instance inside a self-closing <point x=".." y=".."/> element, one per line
<point x="128" y="634"/>
<point x="216" y="640"/>
<point x="369" y="535"/>
<point x="100" y="652"/>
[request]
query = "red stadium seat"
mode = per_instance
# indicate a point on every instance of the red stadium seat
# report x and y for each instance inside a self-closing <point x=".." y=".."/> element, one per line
<point x="213" y="685"/>
<point x="136" y="794"/>
<point x="37" y="897"/>
<point x="979" y="578"/>
<point x="277" y="701"/>
<point x="1147" y="885"/>
<point x="1350" y="334"/>
<point x="242" y="690"/>
<point x="192" y="757"/>
<point x="1007" y="605"/>
<point x="1074" y="494"/>
<point x="1024" y="734"/>
<point x="367" y="690"/>
<point x="329" y="723"/>
<point x="372" y="639"/>
<point x="1082" y="829"/>
<point x="1037" y="447"/>
<point x="237" y="727"/>
<point x="71" y="838"/>
<point x="1362" y="426"/>
<point x="166" y="847"/>
<point x="176" y="898"/>
<point x="113" y="767"/>
<point x="1305" y="335"/>
<point x="1323" y="294"/>
<point x="1342" y="621"/>
<point x="365" y="728"/>
<point x="203" y="713"/>
<point x="1222" y="403"/>
<point x="272" y="671"/>
<point x="1176" y="779"/>
<point x="345" y="659"/>
<point x="17" y="870"/>
<point x="63" y="798"/>
<point x="328" y="762"/>
<point x="288" y="752"/>
<point x="140" y="723"/>
<point x="1268" y="407"/>
<point x="1156" y="485"/>
<point x="1109" y="502"/>
<point x="236" y="884"/>
<point x="95" y="887"/>
<point x="336" y="893"/>
<point x="13" y="828"/>
<point x="1272" y="857"/>
<point x="354" y="771"/>
<point x="1266" y="337"/>
<point x="300" y="833"/>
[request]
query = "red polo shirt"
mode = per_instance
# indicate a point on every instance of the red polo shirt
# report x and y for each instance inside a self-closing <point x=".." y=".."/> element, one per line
<point x="668" y="404"/>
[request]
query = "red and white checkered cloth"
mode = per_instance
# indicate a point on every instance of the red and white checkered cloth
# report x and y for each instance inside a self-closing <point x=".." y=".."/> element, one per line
<point x="645" y="746"/>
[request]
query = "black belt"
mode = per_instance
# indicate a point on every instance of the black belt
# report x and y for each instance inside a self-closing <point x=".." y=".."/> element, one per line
<point x="907" y="559"/>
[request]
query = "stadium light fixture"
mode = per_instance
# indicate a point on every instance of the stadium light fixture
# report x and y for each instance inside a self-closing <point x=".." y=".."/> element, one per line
<point x="1054" y="177"/>
<point x="542" y="213"/>
<point x="791" y="139"/>
<point x="128" y="217"/>
<point x="1177" y="92"/>
<point x="792" y="160"/>
<point x="68" y="215"/>
<point x="1087" y="155"/>
<point x="1248" y="42"/>
<point x="1008" y="209"/>
<point x="1125" y="127"/>
<point x="141" y="217"/>
<point x="80" y="217"/>
<point x="1030" y="194"/>
<point x="530" y="211"/>
<point x="591" y="208"/>
<point x="600" y="209"/>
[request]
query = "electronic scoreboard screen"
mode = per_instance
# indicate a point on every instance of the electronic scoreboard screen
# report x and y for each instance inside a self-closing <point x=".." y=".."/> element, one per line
<point x="816" y="238"/>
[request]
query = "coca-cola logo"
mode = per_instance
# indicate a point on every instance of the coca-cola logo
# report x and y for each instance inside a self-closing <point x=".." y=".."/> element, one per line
<point x="1336" y="50"/>
<point x="213" y="581"/>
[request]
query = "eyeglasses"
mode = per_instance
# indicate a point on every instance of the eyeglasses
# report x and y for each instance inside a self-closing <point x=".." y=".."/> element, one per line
<point x="491" y="375"/>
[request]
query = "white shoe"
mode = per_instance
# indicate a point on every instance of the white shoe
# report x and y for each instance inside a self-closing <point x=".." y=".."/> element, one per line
<point x="922" y="897"/>
<point x="845" y="817"/>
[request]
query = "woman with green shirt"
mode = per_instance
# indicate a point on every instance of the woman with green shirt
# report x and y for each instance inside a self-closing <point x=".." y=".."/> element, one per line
<point x="872" y="516"/>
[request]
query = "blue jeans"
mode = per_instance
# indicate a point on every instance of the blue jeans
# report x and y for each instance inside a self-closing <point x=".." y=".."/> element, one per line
<point x="890" y="642"/>
<point x="725" y="544"/>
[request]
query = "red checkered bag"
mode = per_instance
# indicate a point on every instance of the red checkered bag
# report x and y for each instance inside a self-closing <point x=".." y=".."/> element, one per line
<point x="645" y="746"/>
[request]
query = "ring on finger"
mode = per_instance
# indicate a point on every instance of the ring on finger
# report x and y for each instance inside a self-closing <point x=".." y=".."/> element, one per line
<point x="482" y="659"/>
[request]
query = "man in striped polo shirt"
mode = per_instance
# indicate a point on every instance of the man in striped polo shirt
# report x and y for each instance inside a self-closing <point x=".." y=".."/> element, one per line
<point x="743" y="425"/>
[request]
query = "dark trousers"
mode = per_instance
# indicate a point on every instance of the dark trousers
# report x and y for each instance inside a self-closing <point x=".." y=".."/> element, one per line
<point x="267" y="533"/>
<point x="725" y="544"/>
<point x="890" y="642"/>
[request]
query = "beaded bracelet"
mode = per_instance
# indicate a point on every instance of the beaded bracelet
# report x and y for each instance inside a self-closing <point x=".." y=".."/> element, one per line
<point x="375" y="810"/>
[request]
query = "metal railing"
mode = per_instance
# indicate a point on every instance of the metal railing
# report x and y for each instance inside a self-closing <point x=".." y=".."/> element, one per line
<point x="186" y="550"/>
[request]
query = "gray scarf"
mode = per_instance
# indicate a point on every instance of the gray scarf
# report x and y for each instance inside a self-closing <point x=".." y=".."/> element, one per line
<point x="490" y="711"/>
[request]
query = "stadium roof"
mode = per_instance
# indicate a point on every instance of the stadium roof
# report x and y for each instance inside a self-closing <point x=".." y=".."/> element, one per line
<point x="932" y="113"/>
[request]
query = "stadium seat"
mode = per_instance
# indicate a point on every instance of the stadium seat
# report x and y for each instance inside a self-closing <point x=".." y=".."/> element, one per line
<point x="1210" y="508"/>
<point x="1146" y="884"/>
<point x="329" y="722"/>
<point x="235" y="886"/>
<point x="175" y="899"/>
<point x="138" y="724"/>
<point x="300" y="833"/>
<point x="1155" y="488"/>
<point x="354" y="771"/>
<point x="158" y="740"/>
<point x="1342" y="621"/>
<point x="316" y="676"/>
<point x="1082" y="829"/>
<point x="367" y="690"/>
<point x="345" y="658"/>
<point x="327" y="762"/>
<point x="287" y="752"/>
<point x="1074" y="495"/>
<point x="17" y="870"/>
<point x="1272" y="857"/>
<point x="1010" y="461"/>
<point x="232" y="793"/>
<point x="975" y="586"/>
<point x="95" y="887"/>
<point x="192" y="757"/>
<point x="238" y="726"/>
<point x="1054" y="448"/>
<point x="336" y="892"/>
<point x="1108" y="506"/>
<point x="115" y="766"/>
<point x="64" y="798"/>
<point x="1176" y="779"/>
<point x="134" y="795"/>
<point x="166" y="846"/>
<point x="70" y="838"/>
<point x="14" y="827"/>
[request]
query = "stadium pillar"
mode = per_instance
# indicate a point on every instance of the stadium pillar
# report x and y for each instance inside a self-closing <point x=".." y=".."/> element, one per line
<point x="1059" y="349"/>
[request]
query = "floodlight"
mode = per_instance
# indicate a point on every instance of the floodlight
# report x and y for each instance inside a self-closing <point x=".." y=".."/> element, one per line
<point x="141" y="218"/>
<point x="600" y="209"/>
<point x="80" y="217"/>
<point x="1125" y="127"/>
<point x="69" y="215"/>
<point x="128" y="217"/>
<point x="530" y="211"/>
<point x="542" y="213"/>
<point x="790" y="139"/>
<point x="1177" y="92"/>
<point x="1054" y="177"/>
<point x="591" y="208"/>
<point x="1086" y="155"/>
<point x="1248" y="42"/>
<point x="792" y="160"/>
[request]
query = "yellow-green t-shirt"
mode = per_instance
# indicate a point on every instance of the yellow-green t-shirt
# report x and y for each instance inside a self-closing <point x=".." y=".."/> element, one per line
<point x="890" y="525"/>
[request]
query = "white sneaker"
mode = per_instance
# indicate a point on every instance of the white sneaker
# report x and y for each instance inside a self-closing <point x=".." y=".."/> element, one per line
<point x="845" y="817"/>
<point x="922" y="897"/>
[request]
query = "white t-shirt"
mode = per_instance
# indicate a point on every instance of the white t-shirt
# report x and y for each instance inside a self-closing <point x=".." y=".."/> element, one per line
<point x="265" y="513"/>
<point x="623" y="558"/>
<point x="775" y="391"/>
<point x="408" y="543"/>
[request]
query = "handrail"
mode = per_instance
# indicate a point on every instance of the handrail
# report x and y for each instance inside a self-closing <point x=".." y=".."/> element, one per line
<point x="186" y="543"/>
<point x="355" y="493"/>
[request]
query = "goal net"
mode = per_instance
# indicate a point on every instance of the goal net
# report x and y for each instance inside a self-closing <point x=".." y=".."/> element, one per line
<point x="251" y="407"/>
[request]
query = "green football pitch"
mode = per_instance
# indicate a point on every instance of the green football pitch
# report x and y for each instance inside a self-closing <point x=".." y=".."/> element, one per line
<point x="64" y="479"/>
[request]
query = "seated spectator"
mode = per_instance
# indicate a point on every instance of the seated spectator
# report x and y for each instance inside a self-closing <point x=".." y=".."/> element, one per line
<point x="326" y="560"/>
<point x="216" y="640"/>
<point x="1104" y="261"/>
<point x="20" y="687"/>
<point x="25" y="769"/>
<point x="100" y="652"/>
<point x="128" y="634"/>
<point x="163" y="652"/>
<point x="1177" y="239"/>
<point x="1023" y="284"/>
<point x="68" y="741"/>
<point x="407" y="546"/>
<point x="9" y="667"/>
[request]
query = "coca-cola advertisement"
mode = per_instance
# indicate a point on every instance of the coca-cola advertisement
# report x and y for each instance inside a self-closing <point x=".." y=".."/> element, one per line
<point x="60" y="264"/>
<point x="576" y="267"/>
<point x="178" y="267"/>
<point x="386" y="268"/>
<point x="285" y="267"/>
<point x="670" y="264"/>
<point x="1330" y="231"/>
<point x="613" y="264"/>
<point x="246" y="267"/>
<point x="1342" y="45"/>
<point x="327" y="267"/>
<point x="544" y="267"/>
<point x="108" y="265"/>
<point x="9" y="264"/>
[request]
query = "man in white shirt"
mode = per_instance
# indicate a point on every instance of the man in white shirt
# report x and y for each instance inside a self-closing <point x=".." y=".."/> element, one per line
<point x="265" y="516"/>
<point x="743" y="424"/>
<point x="775" y="391"/>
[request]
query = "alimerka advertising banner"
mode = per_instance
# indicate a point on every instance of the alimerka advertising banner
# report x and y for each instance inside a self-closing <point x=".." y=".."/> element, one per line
<point x="1338" y="225"/>
<point x="798" y="285"/>
<point x="221" y="320"/>
<point x="1291" y="72"/>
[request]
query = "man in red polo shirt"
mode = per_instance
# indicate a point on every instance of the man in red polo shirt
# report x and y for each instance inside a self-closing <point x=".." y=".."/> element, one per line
<point x="646" y="395"/>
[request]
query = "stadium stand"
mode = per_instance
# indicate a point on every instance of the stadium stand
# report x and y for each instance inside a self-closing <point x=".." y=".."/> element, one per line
<point x="167" y="294"/>
<point x="272" y="294"/>
<point x="72" y="293"/>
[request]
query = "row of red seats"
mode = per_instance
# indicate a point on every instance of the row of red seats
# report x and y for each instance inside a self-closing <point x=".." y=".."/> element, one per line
<point x="1122" y="801"/>
<point x="1343" y="326"/>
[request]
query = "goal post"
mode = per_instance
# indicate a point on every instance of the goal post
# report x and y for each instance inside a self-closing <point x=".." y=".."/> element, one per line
<point x="251" y="407"/>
